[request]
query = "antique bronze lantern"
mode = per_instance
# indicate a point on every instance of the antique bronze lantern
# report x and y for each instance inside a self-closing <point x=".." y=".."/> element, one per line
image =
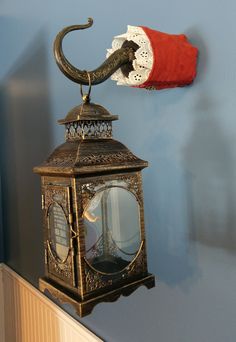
<point x="92" y="200"/>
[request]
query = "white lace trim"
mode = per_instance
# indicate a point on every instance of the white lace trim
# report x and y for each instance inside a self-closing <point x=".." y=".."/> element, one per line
<point x="144" y="57"/>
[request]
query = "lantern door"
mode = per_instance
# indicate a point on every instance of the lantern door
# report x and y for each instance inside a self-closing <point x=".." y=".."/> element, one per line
<point x="58" y="240"/>
<point x="113" y="228"/>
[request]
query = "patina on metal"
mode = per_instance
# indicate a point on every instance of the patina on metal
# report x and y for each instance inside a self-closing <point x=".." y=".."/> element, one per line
<point x="88" y="163"/>
<point x="89" y="159"/>
<point x="122" y="58"/>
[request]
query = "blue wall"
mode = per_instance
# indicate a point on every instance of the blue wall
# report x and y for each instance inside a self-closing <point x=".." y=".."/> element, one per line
<point x="188" y="136"/>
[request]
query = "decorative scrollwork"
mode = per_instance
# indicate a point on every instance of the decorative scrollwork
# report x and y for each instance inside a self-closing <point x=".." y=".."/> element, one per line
<point x="134" y="185"/>
<point x="111" y="158"/>
<point x="98" y="248"/>
<point x="139" y="266"/>
<point x="63" y="271"/>
<point x="89" y="129"/>
<point x="131" y="182"/>
<point x="63" y="159"/>
<point x="90" y="187"/>
<point x="56" y="194"/>
<point x="95" y="281"/>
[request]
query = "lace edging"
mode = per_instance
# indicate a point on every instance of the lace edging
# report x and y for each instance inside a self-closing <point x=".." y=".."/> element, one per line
<point x="144" y="57"/>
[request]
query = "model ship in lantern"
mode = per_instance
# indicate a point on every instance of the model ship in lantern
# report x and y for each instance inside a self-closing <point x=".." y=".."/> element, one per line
<point x="92" y="199"/>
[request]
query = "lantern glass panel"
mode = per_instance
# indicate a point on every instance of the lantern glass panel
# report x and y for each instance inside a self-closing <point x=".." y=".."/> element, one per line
<point x="112" y="229"/>
<point x="59" y="237"/>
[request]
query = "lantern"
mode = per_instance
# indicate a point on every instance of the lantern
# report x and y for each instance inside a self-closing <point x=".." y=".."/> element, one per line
<point x="94" y="238"/>
<point x="92" y="198"/>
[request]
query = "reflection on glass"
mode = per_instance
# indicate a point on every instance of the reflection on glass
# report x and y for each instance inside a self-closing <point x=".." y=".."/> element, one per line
<point x="112" y="229"/>
<point x="58" y="230"/>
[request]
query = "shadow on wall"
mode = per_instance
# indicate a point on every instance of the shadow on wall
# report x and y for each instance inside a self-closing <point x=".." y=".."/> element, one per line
<point x="172" y="255"/>
<point x="209" y="158"/>
<point x="197" y="40"/>
<point x="25" y="141"/>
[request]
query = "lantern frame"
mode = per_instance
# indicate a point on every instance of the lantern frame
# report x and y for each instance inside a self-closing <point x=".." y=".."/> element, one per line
<point x="90" y="160"/>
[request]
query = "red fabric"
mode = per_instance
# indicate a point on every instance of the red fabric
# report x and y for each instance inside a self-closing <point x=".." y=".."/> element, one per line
<point x="175" y="60"/>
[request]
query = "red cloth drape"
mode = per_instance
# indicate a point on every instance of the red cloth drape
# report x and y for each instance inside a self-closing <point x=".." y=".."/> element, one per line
<point x="175" y="60"/>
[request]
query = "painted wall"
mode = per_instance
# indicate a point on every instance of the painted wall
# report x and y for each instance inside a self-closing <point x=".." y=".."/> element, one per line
<point x="188" y="136"/>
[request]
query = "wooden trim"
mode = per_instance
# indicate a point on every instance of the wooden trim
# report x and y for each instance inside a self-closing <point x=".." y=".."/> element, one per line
<point x="2" y="323"/>
<point x="29" y="316"/>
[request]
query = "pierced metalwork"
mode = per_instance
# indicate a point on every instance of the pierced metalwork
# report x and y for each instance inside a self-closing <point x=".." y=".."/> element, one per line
<point x="57" y="194"/>
<point x="111" y="248"/>
<point x="132" y="183"/>
<point x="139" y="265"/>
<point x="118" y="157"/>
<point x="89" y="129"/>
<point x="60" y="268"/>
<point x="97" y="280"/>
<point x="63" y="271"/>
<point x="63" y="159"/>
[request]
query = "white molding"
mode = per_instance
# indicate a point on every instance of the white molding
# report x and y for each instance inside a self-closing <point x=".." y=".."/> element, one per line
<point x="31" y="317"/>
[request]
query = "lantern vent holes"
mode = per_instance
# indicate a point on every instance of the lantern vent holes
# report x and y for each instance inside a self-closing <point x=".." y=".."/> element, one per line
<point x="89" y="129"/>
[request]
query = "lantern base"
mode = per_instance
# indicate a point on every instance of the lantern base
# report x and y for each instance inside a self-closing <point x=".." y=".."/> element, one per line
<point x="85" y="307"/>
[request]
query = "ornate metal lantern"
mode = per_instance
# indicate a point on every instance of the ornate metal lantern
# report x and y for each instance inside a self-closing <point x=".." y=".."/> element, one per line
<point x="92" y="200"/>
<point x="94" y="238"/>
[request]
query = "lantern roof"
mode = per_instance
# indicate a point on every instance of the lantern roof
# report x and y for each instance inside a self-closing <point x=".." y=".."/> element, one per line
<point x="88" y="111"/>
<point x="90" y="148"/>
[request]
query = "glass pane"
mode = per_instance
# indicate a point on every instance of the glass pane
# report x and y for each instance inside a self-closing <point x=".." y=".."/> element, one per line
<point x="112" y="229"/>
<point x="59" y="229"/>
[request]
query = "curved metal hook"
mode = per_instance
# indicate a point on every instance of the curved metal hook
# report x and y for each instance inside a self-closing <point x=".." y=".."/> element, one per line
<point x="119" y="58"/>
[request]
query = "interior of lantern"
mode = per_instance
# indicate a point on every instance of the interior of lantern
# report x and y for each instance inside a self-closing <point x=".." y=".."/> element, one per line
<point x="112" y="229"/>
